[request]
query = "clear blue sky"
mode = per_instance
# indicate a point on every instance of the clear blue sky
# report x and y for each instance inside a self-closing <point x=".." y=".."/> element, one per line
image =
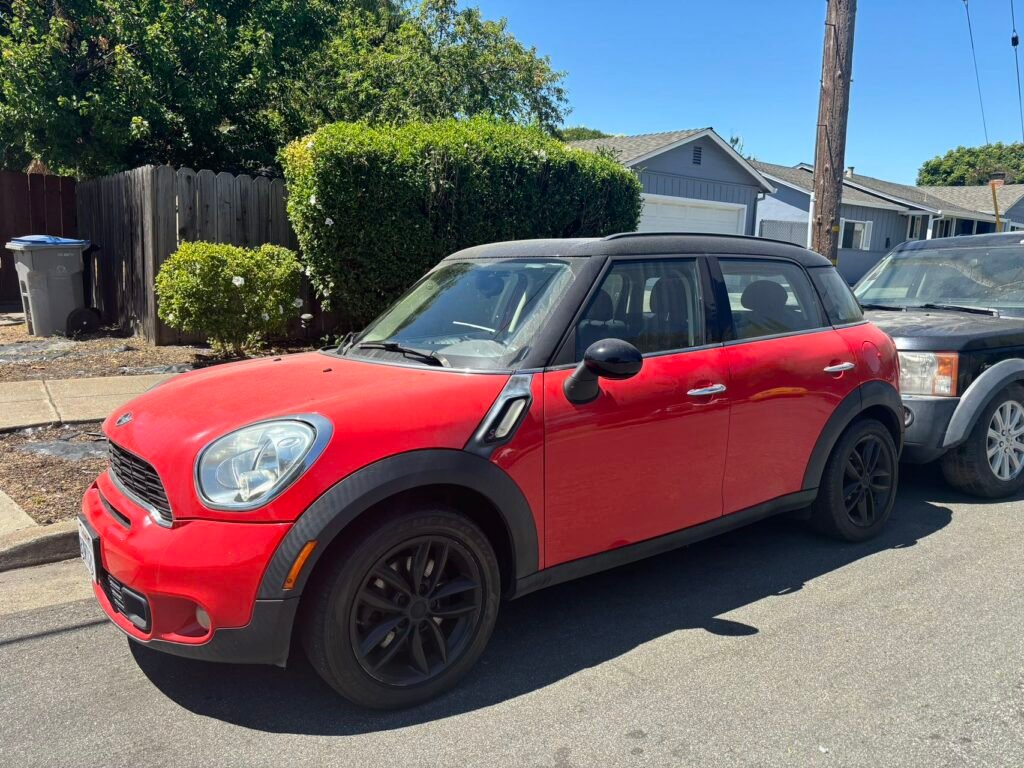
<point x="752" y="67"/>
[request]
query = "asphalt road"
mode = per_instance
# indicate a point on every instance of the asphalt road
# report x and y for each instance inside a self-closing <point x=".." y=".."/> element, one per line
<point x="766" y="647"/>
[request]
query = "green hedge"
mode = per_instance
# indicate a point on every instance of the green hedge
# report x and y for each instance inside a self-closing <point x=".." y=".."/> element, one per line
<point x="237" y="297"/>
<point x="374" y="208"/>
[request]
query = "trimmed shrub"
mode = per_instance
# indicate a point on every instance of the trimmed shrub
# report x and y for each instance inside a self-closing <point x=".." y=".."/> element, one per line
<point x="375" y="207"/>
<point x="237" y="297"/>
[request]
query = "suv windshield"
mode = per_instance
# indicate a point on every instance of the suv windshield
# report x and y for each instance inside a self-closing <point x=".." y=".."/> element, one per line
<point x="990" y="277"/>
<point x="470" y="314"/>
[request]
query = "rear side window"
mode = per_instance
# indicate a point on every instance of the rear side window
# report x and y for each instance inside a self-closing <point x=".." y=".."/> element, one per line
<point x="768" y="298"/>
<point x="654" y="305"/>
<point x="841" y="305"/>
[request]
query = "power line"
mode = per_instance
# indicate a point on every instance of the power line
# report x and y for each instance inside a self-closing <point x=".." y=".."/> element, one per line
<point x="1015" y="41"/>
<point x="977" y="77"/>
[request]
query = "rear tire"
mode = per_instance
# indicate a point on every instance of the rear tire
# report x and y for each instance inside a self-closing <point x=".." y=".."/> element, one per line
<point x="970" y="469"/>
<point x="403" y="611"/>
<point x="858" y="486"/>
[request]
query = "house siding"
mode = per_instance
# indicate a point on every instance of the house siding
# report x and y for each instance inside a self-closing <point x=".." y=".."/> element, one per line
<point x="1015" y="212"/>
<point x="888" y="228"/>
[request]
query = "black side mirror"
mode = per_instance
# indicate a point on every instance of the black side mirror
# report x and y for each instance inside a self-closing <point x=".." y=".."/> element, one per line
<point x="610" y="359"/>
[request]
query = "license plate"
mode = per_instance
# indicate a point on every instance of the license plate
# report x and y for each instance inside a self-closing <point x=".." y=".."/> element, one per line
<point x="87" y="543"/>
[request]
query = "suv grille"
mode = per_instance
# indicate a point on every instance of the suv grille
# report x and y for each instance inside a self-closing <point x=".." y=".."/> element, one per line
<point x="140" y="479"/>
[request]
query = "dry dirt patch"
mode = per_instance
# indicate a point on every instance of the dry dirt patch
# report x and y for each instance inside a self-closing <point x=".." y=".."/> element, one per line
<point x="46" y="470"/>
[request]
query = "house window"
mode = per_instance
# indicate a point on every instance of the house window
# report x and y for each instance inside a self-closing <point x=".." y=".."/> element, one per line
<point x="942" y="228"/>
<point x="698" y="155"/>
<point x="855" y="235"/>
<point x="915" y="229"/>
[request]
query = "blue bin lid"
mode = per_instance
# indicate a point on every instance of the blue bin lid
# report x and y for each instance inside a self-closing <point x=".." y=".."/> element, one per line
<point x="47" y="240"/>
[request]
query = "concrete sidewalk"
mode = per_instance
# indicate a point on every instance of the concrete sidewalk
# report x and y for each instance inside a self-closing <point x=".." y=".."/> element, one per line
<point x="62" y="401"/>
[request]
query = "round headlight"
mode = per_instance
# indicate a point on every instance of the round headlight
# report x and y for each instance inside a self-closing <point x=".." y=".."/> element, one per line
<point x="246" y="468"/>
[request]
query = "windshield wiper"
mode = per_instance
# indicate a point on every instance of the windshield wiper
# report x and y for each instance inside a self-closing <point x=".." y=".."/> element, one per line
<point x="885" y="307"/>
<point x="393" y="346"/>
<point x="958" y="308"/>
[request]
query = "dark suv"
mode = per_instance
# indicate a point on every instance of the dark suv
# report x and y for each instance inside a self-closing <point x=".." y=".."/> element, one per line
<point x="955" y="308"/>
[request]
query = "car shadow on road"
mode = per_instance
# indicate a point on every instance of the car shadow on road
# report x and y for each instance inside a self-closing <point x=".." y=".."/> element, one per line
<point x="549" y="635"/>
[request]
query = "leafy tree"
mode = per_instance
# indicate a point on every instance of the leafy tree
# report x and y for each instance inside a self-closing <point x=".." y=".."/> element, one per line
<point x="96" y="86"/>
<point x="427" y="62"/>
<point x="581" y="133"/>
<point x="967" y="166"/>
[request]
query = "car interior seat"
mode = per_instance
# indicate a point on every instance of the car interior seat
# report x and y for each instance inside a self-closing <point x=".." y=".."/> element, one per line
<point x="599" y="323"/>
<point x="668" y="326"/>
<point x="767" y="313"/>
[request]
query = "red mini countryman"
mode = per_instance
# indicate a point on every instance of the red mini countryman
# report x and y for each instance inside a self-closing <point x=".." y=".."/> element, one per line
<point x="377" y="501"/>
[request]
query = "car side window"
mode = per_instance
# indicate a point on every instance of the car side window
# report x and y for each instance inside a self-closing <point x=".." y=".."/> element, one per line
<point x="655" y="305"/>
<point x="769" y="297"/>
<point x="841" y="305"/>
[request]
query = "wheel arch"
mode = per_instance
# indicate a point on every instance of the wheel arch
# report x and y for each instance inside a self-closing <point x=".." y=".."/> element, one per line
<point x="481" y="490"/>
<point x="873" y="399"/>
<point x="978" y="396"/>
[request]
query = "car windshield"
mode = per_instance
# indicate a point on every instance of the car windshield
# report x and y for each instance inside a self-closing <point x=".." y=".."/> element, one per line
<point x="481" y="314"/>
<point x="982" y="277"/>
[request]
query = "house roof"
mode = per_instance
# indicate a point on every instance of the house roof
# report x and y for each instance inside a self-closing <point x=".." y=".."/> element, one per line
<point x="803" y="177"/>
<point x="979" y="198"/>
<point x="920" y="197"/>
<point x="631" y="150"/>
<point x="858" y="189"/>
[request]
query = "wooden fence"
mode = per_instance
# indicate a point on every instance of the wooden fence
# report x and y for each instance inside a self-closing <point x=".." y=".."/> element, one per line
<point x="31" y="204"/>
<point x="137" y="219"/>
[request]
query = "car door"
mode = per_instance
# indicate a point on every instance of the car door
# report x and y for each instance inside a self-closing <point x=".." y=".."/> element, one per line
<point x="789" y="370"/>
<point x="647" y="456"/>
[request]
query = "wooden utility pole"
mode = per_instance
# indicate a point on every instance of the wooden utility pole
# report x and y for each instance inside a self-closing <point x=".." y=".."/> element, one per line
<point x="830" y="147"/>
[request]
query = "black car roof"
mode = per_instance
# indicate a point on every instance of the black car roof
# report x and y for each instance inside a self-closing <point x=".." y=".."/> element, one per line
<point x="965" y="241"/>
<point x="644" y="244"/>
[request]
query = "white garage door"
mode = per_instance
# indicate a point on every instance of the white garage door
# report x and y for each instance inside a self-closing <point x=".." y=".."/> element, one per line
<point x="683" y="214"/>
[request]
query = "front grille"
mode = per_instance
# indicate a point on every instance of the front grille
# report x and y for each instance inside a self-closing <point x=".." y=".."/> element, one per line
<point x="139" y="478"/>
<point x="128" y="603"/>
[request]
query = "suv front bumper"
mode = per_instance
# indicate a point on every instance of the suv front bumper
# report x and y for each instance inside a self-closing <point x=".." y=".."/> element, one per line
<point x="153" y="581"/>
<point x="924" y="435"/>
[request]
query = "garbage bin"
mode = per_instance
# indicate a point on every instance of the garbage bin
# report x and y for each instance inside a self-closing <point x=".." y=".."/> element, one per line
<point x="50" y="278"/>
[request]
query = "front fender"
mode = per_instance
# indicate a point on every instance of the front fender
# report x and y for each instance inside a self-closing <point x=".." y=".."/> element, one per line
<point x="977" y="398"/>
<point x="350" y="497"/>
<point x="868" y="395"/>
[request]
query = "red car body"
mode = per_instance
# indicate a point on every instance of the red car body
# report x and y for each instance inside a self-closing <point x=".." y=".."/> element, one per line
<point x="644" y="467"/>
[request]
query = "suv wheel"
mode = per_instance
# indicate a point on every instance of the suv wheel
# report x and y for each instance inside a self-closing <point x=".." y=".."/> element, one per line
<point x="858" y="486"/>
<point x="990" y="463"/>
<point x="405" y="610"/>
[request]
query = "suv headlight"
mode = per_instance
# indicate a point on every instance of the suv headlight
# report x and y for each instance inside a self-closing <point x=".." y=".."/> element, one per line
<point x="929" y="373"/>
<point x="248" y="467"/>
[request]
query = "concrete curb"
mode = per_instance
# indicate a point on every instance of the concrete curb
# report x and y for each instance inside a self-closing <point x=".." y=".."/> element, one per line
<point x="39" y="545"/>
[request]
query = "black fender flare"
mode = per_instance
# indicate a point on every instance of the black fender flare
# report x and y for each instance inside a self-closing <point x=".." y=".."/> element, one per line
<point x="982" y="391"/>
<point x="350" y="497"/>
<point x="867" y="395"/>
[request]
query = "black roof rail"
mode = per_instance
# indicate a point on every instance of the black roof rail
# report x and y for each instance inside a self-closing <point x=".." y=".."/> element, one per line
<point x="625" y="235"/>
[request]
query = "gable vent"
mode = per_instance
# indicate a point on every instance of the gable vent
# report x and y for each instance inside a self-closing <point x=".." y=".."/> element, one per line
<point x="698" y="153"/>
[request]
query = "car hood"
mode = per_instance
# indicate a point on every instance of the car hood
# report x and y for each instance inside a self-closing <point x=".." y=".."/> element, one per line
<point x="376" y="410"/>
<point x="938" y="330"/>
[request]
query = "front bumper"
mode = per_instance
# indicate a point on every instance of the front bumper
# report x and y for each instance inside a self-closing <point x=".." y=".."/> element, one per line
<point x="153" y="579"/>
<point x="924" y="436"/>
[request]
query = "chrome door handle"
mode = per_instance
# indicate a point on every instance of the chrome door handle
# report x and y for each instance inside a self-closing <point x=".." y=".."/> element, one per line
<point x="839" y="368"/>
<point x="714" y="389"/>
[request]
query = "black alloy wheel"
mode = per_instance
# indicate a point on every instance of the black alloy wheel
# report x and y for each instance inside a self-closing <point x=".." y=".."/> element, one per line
<point x="858" y="487"/>
<point x="416" y="610"/>
<point x="868" y="481"/>
<point x="403" y="606"/>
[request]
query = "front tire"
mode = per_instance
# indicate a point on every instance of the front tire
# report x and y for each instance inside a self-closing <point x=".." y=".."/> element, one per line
<point x="405" y="610"/>
<point x="990" y="463"/>
<point x="858" y="486"/>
